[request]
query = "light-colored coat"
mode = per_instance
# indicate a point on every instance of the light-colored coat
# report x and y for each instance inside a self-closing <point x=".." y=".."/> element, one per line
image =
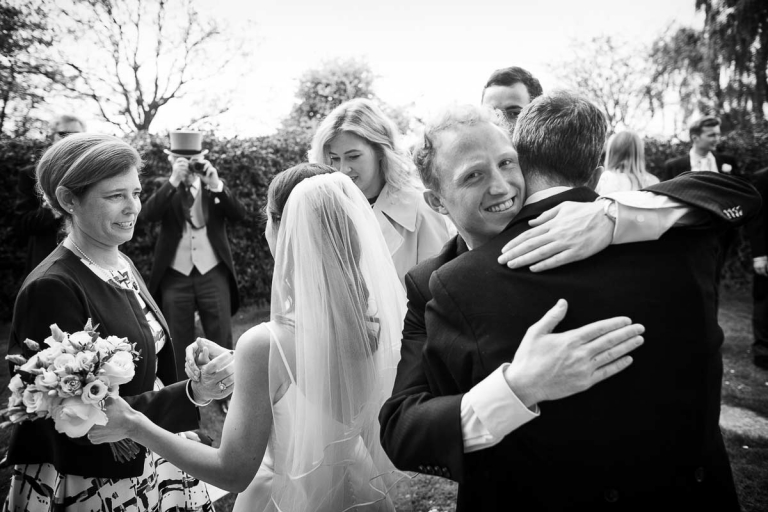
<point x="412" y="230"/>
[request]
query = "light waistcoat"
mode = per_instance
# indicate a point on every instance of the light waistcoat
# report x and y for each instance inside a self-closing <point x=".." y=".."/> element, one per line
<point x="195" y="250"/>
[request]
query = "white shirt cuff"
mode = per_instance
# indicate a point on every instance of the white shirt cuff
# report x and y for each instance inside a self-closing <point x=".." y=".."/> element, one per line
<point x="643" y="216"/>
<point x="490" y="411"/>
<point x="219" y="188"/>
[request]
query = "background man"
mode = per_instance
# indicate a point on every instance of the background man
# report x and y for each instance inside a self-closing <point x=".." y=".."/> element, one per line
<point x="193" y="268"/>
<point x="509" y="90"/>
<point x="648" y="438"/>
<point x="35" y="224"/>
<point x="705" y="135"/>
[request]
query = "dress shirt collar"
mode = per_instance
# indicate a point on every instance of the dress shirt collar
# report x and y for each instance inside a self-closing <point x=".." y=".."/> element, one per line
<point x="543" y="194"/>
<point x="702" y="163"/>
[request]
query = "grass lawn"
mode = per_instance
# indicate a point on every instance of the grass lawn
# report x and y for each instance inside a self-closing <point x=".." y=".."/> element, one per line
<point x="744" y="386"/>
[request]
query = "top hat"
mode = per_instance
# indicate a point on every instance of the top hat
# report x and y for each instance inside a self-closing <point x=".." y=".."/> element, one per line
<point x="186" y="143"/>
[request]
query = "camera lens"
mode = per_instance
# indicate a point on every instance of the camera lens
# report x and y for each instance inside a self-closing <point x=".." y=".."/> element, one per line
<point x="198" y="167"/>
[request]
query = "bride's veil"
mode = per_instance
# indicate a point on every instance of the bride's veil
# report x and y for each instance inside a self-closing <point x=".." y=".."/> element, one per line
<point x="338" y="307"/>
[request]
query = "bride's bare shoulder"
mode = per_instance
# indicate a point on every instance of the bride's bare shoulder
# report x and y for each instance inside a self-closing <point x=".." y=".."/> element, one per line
<point x="254" y="343"/>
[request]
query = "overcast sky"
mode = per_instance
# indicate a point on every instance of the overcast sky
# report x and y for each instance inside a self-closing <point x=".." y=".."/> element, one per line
<point x="425" y="52"/>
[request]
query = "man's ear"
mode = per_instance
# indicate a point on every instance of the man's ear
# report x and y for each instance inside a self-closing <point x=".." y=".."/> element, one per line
<point x="66" y="198"/>
<point x="435" y="202"/>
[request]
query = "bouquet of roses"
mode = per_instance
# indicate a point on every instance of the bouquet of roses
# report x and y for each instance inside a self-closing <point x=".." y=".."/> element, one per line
<point x="69" y="382"/>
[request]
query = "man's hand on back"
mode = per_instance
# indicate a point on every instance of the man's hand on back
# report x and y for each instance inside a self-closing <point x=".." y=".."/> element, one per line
<point x="549" y="366"/>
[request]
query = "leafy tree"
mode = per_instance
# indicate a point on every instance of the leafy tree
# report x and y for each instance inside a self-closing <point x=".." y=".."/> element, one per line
<point x="324" y="88"/>
<point x="736" y="41"/>
<point x="27" y="71"/>
<point x="142" y="55"/>
<point x="612" y="73"/>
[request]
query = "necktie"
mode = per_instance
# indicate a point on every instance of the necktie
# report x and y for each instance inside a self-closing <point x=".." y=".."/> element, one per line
<point x="187" y="200"/>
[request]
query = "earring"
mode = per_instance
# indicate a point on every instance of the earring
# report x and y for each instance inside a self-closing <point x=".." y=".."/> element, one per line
<point x="71" y="209"/>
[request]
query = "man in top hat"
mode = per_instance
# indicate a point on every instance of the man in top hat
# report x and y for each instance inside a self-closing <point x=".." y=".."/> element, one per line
<point x="192" y="268"/>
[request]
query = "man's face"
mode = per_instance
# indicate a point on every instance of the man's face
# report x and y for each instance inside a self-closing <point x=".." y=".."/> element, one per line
<point x="509" y="99"/>
<point x="66" y="128"/>
<point x="707" y="141"/>
<point x="481" y="185"/>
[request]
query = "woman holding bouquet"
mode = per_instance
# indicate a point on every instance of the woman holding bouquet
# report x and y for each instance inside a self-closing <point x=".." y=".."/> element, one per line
<point x="93" y="182"/>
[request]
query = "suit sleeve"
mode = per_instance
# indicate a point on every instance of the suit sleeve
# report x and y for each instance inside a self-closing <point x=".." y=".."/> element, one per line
<point x="756" y="228"/>
<point x="158" y="203"/>
<point x="728" y="199"/>
<point x="231" y="206"/>
<point x="420" y="430"/>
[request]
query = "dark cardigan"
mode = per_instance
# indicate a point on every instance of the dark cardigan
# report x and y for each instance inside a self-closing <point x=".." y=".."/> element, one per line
<point x="63" y="291"/>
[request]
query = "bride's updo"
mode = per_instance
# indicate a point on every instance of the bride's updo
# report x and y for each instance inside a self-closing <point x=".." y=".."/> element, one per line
<point x="283" y="184"/>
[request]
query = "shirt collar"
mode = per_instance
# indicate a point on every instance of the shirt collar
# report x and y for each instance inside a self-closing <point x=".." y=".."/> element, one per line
<point x="399" y="206"/>
<point x="543" y="194"/>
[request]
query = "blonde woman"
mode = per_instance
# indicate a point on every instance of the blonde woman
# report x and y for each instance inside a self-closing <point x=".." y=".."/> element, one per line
<point x="359" y="140"/>
<point x="625" y="165"/>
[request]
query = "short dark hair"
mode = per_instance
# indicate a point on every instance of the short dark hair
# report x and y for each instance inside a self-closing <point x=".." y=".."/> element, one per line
<point x="507" y="77"/>
<point x="80" y="161"/>
<point x="705" y="122"/>
<point x="559" y="137"/>
<point x="283" y="184"/>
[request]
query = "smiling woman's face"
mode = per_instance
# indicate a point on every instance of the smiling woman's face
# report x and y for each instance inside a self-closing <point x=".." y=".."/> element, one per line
<point x="105" y="215"/>
<point x="481" y="184"/>
<point x="355" y="157"/>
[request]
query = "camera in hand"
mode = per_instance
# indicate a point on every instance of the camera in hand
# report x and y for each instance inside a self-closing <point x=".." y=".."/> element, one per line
<point x="198" y="167"/>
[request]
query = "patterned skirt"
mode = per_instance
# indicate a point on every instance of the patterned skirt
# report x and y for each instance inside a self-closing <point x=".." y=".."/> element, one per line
<point x="162" y="487"/>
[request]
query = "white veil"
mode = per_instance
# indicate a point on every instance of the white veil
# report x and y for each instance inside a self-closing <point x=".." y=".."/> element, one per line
<point x="337" y="308"/>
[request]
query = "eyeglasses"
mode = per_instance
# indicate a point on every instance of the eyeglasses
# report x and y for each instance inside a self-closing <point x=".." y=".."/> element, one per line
<point x="65" y="134"/>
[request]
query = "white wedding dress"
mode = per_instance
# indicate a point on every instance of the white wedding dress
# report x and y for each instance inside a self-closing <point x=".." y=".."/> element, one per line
<point x="336" y="318"/>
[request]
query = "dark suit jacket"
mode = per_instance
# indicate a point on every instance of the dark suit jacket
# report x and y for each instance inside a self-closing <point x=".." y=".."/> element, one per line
<point x="677" y="166"/>
<point x="34" y="225"/>
<point x="63" y="291"/>
<point x="218" y="207"/>
<point x="758" y="227"/>
<point x="646" y="440"/>
<point x="404" y="414"/>
<point x="421" y="431"/>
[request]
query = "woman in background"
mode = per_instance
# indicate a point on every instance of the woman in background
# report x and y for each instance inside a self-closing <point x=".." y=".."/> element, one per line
<point x="625" y="165"/>
<point x="359" y="140"/>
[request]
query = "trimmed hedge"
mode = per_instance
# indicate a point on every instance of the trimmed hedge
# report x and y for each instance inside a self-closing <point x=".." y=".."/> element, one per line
<point x="247" y="166"/>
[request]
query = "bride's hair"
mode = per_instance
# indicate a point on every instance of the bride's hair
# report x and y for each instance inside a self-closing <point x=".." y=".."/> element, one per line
<point x="337" y="229"/>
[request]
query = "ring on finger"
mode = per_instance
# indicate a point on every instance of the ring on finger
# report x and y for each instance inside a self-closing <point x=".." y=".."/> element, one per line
<point x="222" y="386"/>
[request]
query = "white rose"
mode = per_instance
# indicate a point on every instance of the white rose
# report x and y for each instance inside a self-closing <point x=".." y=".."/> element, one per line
<point x="86" y="360"/>
<point x="47" y="380"/>
<point x="36" y="401"/>
<point x="104" y="347"/>
<point x="75" y="418"/>
<point x="57" y="333"/>
<point x="53" y="344"/>
<point x="16" y="385"/>
<point x="32" y="364"/>
<point x="80" y="340"/>
<point x="63" y="364"/>
<point x="95" y="391"/>
<point x="47" y="356"/>
<point x="119" y="368"/>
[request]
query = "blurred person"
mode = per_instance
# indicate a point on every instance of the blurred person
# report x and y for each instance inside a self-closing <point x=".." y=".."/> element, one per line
<point x="624" y="165"/>
<point x="509" y="90"/>
<point x="705" y="136"/>
<point x="758" y="239"/>
<point x="359" y="140"/>
<point x="302" y="435"/>
<point x="35" y="225"/>
<point x="192" y="268"/>
<point x="92" y="182"/>
<point x="640" y="441"/>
